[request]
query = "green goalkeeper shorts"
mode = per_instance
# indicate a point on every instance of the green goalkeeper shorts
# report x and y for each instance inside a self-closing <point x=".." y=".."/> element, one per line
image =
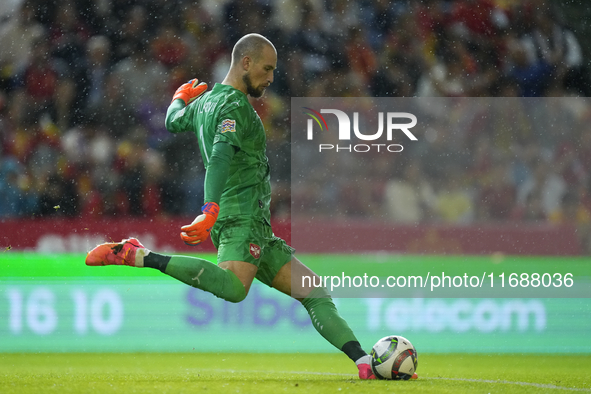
<point x="251" y="240"/>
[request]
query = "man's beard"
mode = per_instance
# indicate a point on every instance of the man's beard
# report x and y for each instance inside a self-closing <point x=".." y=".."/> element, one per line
<point x="250" y="89"/>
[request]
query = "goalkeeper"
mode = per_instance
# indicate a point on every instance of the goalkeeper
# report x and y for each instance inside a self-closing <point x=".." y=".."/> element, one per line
<point x="237" y="197"/>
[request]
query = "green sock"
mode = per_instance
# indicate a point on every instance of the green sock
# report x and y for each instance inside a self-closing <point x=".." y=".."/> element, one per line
<point x="207" y="276"/>
<point x="329" y="323"/>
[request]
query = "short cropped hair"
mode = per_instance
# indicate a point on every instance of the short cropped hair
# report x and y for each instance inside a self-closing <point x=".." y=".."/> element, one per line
<point x="250" y="45"/>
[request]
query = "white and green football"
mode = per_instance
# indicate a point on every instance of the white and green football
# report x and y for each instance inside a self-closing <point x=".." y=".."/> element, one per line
<point x="394" y="358"/>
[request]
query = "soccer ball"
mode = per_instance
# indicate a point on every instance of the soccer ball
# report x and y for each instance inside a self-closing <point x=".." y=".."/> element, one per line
<point x="394" y="358"/>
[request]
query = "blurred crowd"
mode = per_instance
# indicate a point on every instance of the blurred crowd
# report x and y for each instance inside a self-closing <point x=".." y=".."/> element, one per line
<point x="84" y="87"/>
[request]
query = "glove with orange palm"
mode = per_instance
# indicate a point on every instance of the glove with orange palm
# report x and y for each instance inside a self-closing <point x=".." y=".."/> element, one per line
<point x="198" y="231"/>
<point x="190" y="91"/>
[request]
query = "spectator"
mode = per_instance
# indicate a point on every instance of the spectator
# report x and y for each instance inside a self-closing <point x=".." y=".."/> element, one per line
<point x="453" y="203"/>
<point x="532" y="211"/>
<point x="573" y="212"/>
<point x="44" y="87"/>
<point x="360" y="56"/>
<point x="448" y="78"/>
<point x="169" y="46"/>
<point x="113" y="110"/>
<point x="410" y="199"/>
<point x="132" y="28"/>
<point x="240" y="16"/>
<point x="553" y="44"/>
<point x="496" y="198"/>
<point x="151" y="113"/>
<point x="18" y="36"/>
<point x="59" y="197"/>
<point x="17" y="196"/>
<point x="140" y="172"/>
<point x="96" y="69"/>
<point x="477" y="20"/>
<point x="139" y="74"/>
<point x="68" y="36"/>
<point x="532" y="75"/>
<point x="318" y="51"/>
<point x="545" y="182"/>
<point x="401" y="62"/>
<point x="340" y="18"/>
<point x="380" y="21"/>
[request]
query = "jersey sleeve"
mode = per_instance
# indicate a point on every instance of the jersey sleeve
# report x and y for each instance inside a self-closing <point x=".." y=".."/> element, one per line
<point x="232" y="124"/>
<point x="217" y="172"/>
<point x="178" y="117"/>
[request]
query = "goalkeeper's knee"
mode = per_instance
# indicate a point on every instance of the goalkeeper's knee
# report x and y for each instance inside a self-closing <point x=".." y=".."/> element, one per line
<point x="233" y="289"/>
<point x="234" y="298"/>
<point x="318" y="296"/>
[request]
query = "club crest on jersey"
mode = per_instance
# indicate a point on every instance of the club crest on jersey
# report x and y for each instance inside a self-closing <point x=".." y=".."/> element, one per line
<point x="255" y="251"/>
<point x="228" y="125"/>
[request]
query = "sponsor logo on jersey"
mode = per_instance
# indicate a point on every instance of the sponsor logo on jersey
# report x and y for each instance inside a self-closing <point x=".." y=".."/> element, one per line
<point x="228" y="125"/>
<point x="255" y="251"/>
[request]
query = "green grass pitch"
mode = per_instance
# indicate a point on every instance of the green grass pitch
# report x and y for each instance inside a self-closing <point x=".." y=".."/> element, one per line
<point x="285" y="373"/>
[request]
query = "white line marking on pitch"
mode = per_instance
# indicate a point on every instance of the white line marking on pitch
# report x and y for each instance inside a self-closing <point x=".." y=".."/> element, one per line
<point x="537" y="385"/>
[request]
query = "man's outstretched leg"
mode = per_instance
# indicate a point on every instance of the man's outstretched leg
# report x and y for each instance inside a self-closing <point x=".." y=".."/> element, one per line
<point x="324" y="315"/>
<point x="196" y="272"/>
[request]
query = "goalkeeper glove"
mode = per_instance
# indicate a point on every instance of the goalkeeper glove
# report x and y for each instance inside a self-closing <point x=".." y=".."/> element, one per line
<point x="198" y="231"/>
<point x="190" y="91"/>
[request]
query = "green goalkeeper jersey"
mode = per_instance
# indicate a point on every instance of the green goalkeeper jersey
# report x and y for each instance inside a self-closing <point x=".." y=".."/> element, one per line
<point x="225" y="115"/>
